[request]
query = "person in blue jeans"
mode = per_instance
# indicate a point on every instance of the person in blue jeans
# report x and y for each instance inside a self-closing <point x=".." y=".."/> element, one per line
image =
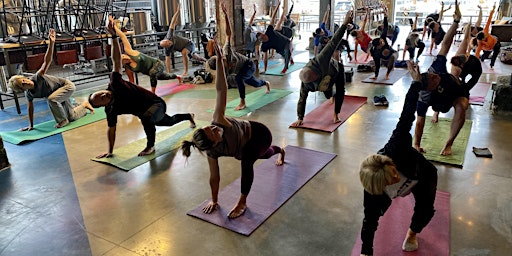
<point x="322" y="34"/>
<point x="239" y="65"/>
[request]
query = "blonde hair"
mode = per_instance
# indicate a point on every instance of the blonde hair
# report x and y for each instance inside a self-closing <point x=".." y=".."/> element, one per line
<point x="15" y="83"/>
<point x="376" y="172"/>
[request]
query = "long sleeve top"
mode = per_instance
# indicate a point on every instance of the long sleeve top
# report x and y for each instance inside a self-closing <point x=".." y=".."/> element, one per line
<point x="409" y="162"/>
<point x="385" y="52"/>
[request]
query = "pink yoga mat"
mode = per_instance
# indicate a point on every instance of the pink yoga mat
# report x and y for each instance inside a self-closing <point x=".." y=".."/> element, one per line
<point x="394" y="76"/>
<point x="172" y="88"/>
<point x="478" y="93"/>
<point x="486" y="68"/>
<point x="321" y="118"/>
<point x="433" y="240"/>
<point x="361" y="59"/>
<point x="272" y="187"/>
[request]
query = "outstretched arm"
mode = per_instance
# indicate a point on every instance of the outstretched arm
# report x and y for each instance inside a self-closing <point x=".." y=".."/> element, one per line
<point x="251" y="21"/>
<point x="174" y="20"/>
<point x="463" y="47"/>
<point x="226" y="19"/>
<point x="441" y="13"/>
<point x="126" y="44"/>
<point x="415" y="24"/>
<point x="290" y="11"/>
<point x="116" y="51"/>
<point x="221" y="88"/>
<point x="489" y="20"/>
<point x="279" y="24"/>
<point x="479" y="20"/>
<point x="448" y="38"/>
<point x="274" y="14"/>
<point x="48" y="57"/>
<point x="365" y="19"/>
<point x="327" y="14"/>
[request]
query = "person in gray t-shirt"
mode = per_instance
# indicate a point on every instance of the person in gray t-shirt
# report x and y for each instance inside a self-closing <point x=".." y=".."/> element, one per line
<point x="174" y="42"/>
<point x="56" y="90"/>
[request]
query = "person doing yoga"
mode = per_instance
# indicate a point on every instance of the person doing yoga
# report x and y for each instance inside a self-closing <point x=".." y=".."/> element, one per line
<point x="122" y="97"/>
<point x="244" y="140"/>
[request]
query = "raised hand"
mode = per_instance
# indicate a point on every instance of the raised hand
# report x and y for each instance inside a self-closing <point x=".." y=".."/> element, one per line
<point x="414" y="70"/>
<point x="52" y="35"/>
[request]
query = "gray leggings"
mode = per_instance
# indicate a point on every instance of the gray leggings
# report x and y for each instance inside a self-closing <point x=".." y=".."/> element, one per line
<point x="61" y="106"/>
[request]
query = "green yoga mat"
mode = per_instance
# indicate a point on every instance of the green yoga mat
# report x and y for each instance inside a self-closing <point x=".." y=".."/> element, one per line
<point x="47" y="128"/>
<point x="435" y="136"/>
<point x="276" y="71"/>
<point x="126" y="157"/>
<point x="253" y="101"/>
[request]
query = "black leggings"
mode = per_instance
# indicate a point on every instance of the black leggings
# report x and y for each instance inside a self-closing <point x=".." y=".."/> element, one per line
<point x="156" y="116"/>
<point x="495" y="52"/>
<point x="258" y="147"/>
<point x="158" y="73"/>
<point x="411" y="50"/>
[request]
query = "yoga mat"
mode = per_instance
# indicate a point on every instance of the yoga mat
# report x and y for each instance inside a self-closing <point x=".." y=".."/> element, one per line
<point x="434" y="239"/>
<point x="361" y="59"/>
<point x="435" y="136"/>
<point x="394" y="76"/>
<point x="276" y="71"/>
<point x="172" y="88"/>
<point x="426" y="52"/>
<point x="272" y="187"/>
<point x="478" y="93"/>
<point x="126" y="157"/>
<point x="47" y="128"/>
<point x="321" y="118"/>
<point x="486" y="68"/>
<point x="270" y="63"/>
<point x="253" y="101"/>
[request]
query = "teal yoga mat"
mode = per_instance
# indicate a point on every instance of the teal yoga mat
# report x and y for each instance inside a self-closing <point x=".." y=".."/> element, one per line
<point x="435" y="136"/>
<point x="47" y="129"/>
<point x="276" y="71"/>
<point x="126" y="157"/>
<point x="253" y="101"/>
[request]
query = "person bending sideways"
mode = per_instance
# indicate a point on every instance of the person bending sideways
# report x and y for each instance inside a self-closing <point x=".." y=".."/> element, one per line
<point x="322" y="73"/>
<point x="122" y="97"/>
<point x="396" y="171"/>
<point x="184" y="45"/>
<point x="244" y="140"/>
<point x="135" y="61"/>
<point x="239" y="65"/>
<point x="449" y="92"/>
<point x="382" y="52"/>
<point x="56" y="90"/>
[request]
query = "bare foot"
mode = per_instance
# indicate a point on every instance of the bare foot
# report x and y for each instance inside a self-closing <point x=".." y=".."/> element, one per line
<point x="62" y="123"/>
<point x="336" y="119"/>
<point x="240" y="106"/>
<point x="447" y="150"/>
<point x="185" y="73"/>
<point x="180" y="80"/>
<point x="297" y="123"/>
<point x="147" y="151"/>
<point x="237" y="211"/>
<point x="410" y="242"/>
<point x="267" y="84"/>
<point x="387" y="77"/>
<point x="192" y="122"/>
<point x="88" y="106"/>
<point x="331" y="100"/>
<point x="280" y="158"/>
<point x="419" y="149"/>
<point x="373" y="78"/>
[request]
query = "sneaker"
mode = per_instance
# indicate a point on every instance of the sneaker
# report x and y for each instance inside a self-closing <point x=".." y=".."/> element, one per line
<point x="284" y="71"/>
<point x="377" y="101"/>
<point x="292" y="62"/>
<point x="383" y="100"/>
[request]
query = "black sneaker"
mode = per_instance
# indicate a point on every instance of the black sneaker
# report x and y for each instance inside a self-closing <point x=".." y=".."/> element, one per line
<point x="377" y="101"/>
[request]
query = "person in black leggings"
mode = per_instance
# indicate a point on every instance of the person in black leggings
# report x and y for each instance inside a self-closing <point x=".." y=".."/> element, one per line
<point x="244" y="140"/>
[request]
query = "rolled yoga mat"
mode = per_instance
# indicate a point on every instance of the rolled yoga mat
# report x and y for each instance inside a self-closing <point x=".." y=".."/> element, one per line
<point x="394" y="76"/>
<point x="126" y="157"/>
<point x="254" y="100"/>
<point x="47" y="128"/>
<point x="434" y="239"/>
<point x="435" y="136"/>
<point x="321" y="118"/>
<point x="272" y="187"/>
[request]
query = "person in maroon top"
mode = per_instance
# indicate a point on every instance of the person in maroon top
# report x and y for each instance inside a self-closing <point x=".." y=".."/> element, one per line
<point x="122" y="97"/>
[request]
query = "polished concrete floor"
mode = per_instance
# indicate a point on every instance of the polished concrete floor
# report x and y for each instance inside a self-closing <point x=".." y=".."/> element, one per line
<point x="55" y="201"/>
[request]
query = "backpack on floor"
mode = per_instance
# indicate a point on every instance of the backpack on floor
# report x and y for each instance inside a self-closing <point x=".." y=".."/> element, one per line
<point x="365" y="68"/>
<point x="400" y="64"/>
<point x="205" y="75"/>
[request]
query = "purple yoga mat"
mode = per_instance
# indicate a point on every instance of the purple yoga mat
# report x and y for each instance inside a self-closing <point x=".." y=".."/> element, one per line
<point x="433" y="240"/>
<point x="272" y="187"/>
<point x="478" y="93"/>
<point x="172" y="88"/>
<point x="394" y="76"/>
